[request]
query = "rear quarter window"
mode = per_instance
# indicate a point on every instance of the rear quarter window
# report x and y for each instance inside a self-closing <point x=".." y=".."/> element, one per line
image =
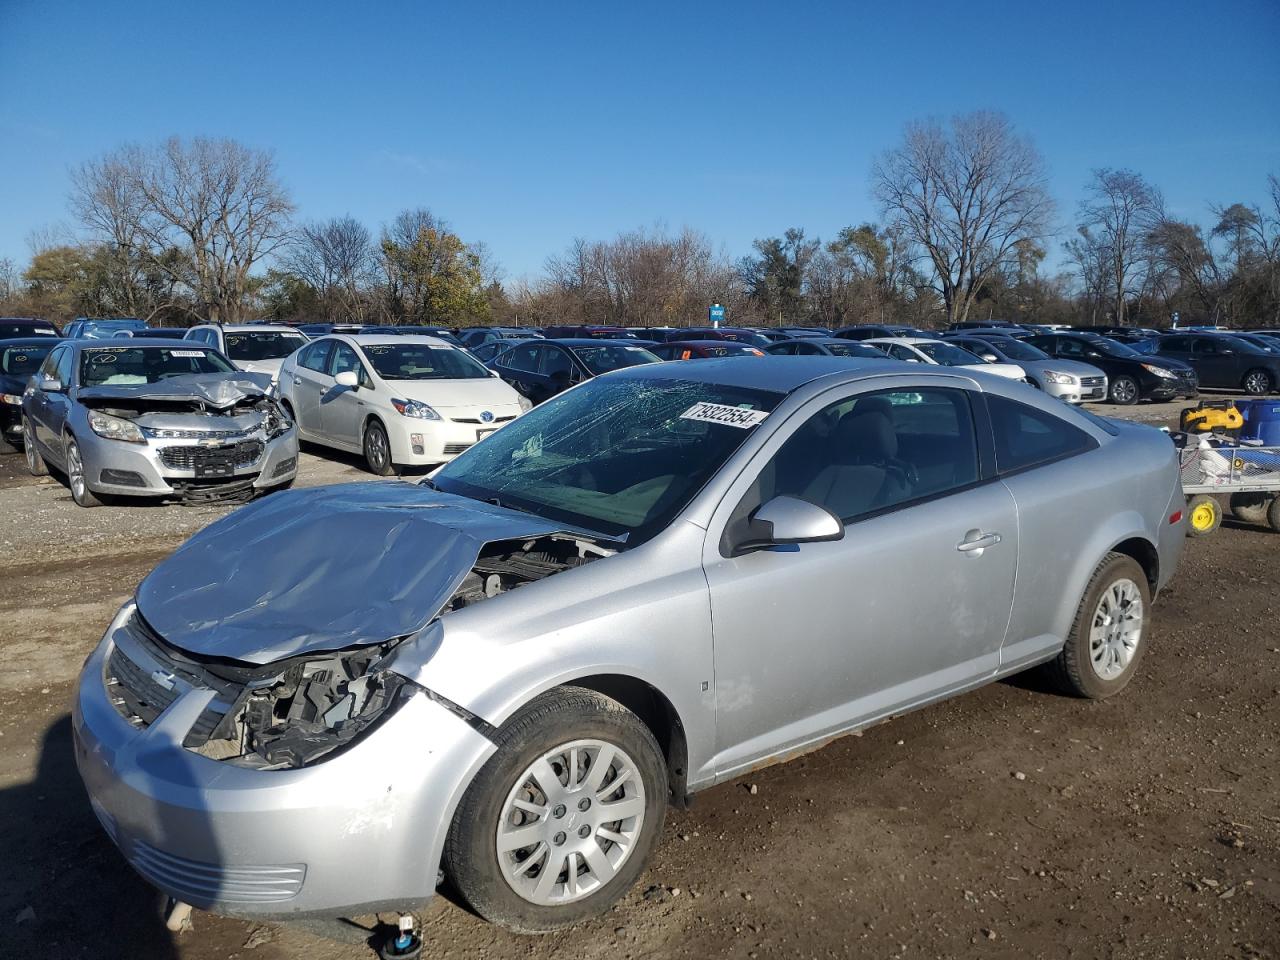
<point x="1027" y="436"/>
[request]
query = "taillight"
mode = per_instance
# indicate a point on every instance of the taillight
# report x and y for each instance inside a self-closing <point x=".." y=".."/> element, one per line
<point x="1175" y="516"/>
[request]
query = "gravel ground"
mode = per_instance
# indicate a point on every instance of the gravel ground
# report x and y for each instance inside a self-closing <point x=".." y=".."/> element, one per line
<point x="1006" y="823"/>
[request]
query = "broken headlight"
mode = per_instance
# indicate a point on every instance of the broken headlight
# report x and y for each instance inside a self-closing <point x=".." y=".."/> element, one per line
<point x="275" y="422"/>
<point x="315" y="707"/>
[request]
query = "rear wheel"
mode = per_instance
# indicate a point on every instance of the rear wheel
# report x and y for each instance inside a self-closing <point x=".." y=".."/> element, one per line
<point x="1110" y="632"/>
<point x="1251" y="507"/>
<point x="377" y="450"/>
<point x="79" y="483"/>
<point x="1257" y="383"/>
<point x="35" y="463"/>
<point x="1124" y="391"/>
<point x="562" y="819"/>
<point x="1204" y="515"/>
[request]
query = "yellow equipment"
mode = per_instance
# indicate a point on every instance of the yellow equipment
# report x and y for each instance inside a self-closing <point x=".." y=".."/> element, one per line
<point x="1211" y="416"/>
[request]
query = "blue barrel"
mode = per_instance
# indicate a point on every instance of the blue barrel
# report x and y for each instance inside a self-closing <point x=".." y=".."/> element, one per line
<point x="1261" y="421"/>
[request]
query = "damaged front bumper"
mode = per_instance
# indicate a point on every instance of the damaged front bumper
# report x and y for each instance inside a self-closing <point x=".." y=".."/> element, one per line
<point x="359" y="831"/>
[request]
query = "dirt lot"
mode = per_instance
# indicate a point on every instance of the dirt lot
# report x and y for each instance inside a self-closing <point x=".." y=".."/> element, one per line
<point x="1007" y="823"/>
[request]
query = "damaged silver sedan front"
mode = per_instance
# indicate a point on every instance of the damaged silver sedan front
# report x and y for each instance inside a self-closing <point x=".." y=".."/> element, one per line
<point x="155" y="419"/>
<point x="330" y="699"/>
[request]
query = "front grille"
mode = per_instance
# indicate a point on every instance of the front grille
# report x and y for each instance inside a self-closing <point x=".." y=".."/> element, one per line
<point x="166" y="434"/>
<point x="141" y="693"/>
<point x="205" y="883"/>
<point x="242" y="454"/>
<point x="478" y="420"/>
<point x="1092" y="383"/>
<point x="455" y="447"/>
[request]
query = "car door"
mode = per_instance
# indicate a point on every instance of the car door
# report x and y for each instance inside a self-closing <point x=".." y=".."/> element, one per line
<point x="342" y="408"/>
<point x="519" y="367"/>
<point x="42" y="406"/>
<point x="559" y="370"/>
<point x="1213" y="364"/>
<point x="911" y="604"/>
<point x="1179" y="348"/>
<point x="310" y="381"/>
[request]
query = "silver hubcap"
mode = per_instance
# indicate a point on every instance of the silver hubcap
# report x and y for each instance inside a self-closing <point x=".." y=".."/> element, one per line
<point x="1123" y="390"/>
<point x="1116" y="630"/>
<point x="571" y="822"/>
<point x="376" y="444"/>
<point x="75" y="471"/>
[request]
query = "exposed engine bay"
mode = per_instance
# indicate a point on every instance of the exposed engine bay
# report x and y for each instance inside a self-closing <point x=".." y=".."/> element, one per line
<point x="292" y="712"/>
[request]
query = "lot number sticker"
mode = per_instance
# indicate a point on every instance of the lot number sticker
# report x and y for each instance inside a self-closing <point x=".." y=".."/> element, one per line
<point x="740" y="417"/>
<point x="186" y="353"/>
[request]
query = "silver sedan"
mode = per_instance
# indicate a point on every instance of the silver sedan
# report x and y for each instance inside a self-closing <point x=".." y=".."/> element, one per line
<point x="655" y="582"/>
<point x="1067" y="380"/>
<point x="155" y="418"/>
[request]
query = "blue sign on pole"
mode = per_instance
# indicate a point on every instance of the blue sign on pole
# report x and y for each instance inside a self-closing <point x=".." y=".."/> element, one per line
<point x="715" y="313"/>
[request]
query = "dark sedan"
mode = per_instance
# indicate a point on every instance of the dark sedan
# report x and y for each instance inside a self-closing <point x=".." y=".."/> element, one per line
<point x="540" y="369"/>
<point x="870" y="331"/>
<point x="825" y="347"/>
<point x="1222" y="361"/>
<point x="1131" y="376"/>
<point x="19" y="359"/>
<point x="12" y="327"/>
<point x="703" y="349"/>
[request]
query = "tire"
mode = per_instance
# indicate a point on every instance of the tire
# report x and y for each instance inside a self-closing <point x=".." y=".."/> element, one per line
<point x="1257" y="383"/>
<point x="1124" y="391"/>
<point x="1204" y="515"/>
<point x="377" y="450"/>
<point x="1251" y="507"/>
<point x="542" y="734"/>
<point x="1273" y="514"/>
<point x="35" y="463"/>
<point x="77" y="479"/>
<point x="1075" y="672"/>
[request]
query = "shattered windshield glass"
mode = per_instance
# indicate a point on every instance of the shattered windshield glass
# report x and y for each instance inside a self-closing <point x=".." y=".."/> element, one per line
<point x="619" y="456"/>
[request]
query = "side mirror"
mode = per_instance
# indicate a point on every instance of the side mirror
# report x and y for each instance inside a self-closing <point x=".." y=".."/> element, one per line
<point x="990" y="358"/>
<point x="50" y="385"/>
<point x="348" y="378"/>
<point x="789" y="520"/>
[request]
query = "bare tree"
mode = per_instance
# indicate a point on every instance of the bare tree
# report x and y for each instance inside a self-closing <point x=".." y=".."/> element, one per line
<point x="1119" y="210"/>
<point x="966" y="194"/>
<point x="216" y="202"/>
<point x="337" y="259"/>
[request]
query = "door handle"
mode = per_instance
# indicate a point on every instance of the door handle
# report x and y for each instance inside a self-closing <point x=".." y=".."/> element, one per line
<point x="975" y="541"/>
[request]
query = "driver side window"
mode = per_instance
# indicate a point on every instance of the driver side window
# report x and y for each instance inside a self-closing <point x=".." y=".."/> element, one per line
<point x="871" y="453"/>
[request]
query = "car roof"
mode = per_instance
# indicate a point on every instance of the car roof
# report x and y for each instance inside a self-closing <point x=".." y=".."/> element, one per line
<point x="141" y="343"/>
<point x="717" y="344"/>
<point x="912" y="341"/>
<point x="255" y="328"/>
<point x="388" y="339"/>
<point x="774" y="373"/>
<point x="7" y="343"/>
<point x="591" y="342"/>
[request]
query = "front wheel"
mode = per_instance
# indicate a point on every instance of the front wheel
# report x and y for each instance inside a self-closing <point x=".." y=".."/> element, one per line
<point x="1124" y="391"/>
<point x="1110" y="632"/>
<point x="35" y="463"/>
<point x="563" y="818"/>
<point x="1257" y="383"/>
<point x="76" y="477"/>
<point x="377" y="450"/>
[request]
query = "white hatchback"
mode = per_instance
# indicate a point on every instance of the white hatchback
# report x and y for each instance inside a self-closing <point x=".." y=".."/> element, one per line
<point x="941" y="353"/>
<point x="401" y="401"/>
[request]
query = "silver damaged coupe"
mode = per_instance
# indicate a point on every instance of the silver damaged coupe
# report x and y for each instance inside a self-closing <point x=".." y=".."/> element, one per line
<point x="667" y="576"/>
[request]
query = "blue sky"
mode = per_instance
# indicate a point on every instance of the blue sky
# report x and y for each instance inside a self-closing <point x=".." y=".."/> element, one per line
<point x="526" y="124"/>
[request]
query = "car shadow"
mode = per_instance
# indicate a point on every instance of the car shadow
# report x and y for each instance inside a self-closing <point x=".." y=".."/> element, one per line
<point x="66" y="890"/>
<point x="356" y="460"/>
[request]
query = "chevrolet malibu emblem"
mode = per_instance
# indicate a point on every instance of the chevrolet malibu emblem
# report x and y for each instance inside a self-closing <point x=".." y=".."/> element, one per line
<point x="486" y="416"/>
<point x="210" y="442"/>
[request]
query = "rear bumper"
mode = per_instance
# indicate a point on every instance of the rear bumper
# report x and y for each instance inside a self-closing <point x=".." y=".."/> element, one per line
<point x="358" y="832"/>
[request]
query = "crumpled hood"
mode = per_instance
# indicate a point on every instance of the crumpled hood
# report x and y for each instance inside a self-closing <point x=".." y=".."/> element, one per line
<point x="216" y="389"/>
<point x="323" y="569"/>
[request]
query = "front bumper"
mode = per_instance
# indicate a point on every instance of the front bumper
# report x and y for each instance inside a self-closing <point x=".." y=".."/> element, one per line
<point x="1162" y="388"/>
<point x="1089" y="390"/>
<point x="167" y="467"/>
<point x="420" y="442"/>
<point x="359" y="832"/>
